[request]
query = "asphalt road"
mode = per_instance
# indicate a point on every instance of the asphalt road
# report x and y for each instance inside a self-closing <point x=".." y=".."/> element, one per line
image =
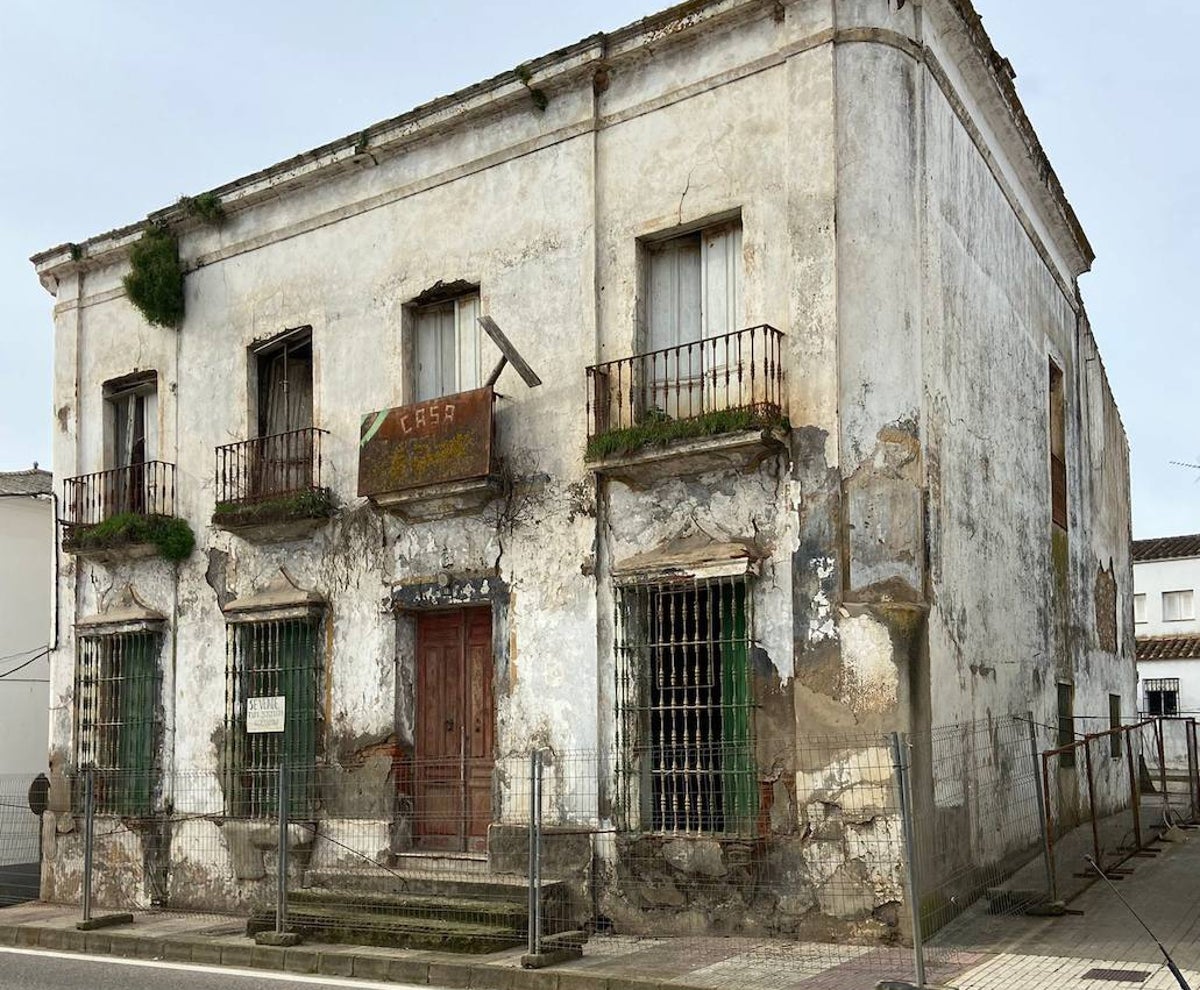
<point x="32" y="969"/>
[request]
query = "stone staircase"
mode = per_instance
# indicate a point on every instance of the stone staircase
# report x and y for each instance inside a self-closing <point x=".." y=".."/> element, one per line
<point x="446" y="903"/>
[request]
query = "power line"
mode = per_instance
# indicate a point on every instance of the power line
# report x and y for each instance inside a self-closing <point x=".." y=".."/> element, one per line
<point x="22" y="666"/>
<point x="25" y="653"/>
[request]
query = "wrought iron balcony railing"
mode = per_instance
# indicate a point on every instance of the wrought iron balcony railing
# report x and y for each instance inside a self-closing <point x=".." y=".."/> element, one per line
<point x="146" y="489"/>
<point x="269" y="467"/>
<point x="737" y="376"/>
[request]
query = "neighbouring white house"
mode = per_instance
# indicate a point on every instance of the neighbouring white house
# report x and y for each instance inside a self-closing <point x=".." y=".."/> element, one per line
<point x="27" y="554"/>
<point x="801" y="430"/>
<point x="1166" y="586"/>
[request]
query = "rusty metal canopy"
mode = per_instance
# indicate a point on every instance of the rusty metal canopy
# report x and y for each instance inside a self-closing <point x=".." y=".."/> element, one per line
<point x="435" y="442"/>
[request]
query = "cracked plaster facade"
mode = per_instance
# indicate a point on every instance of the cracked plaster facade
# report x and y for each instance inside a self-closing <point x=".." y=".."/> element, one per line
<point x="900" y="226"/>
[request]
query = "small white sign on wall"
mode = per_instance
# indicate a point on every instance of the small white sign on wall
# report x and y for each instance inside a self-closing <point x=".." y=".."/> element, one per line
<point x="265" y="714"/>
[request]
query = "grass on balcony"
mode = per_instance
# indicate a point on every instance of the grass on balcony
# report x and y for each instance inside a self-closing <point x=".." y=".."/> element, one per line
<point x="316" y="503"/>
<point x="172" y="536"/>
<point x="657" y="429"/>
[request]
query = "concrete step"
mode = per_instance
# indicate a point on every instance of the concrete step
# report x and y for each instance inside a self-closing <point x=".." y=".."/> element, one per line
<point x="487" y="911"/>
<point x="339" y="924"/>
<point x="436" y="883"/>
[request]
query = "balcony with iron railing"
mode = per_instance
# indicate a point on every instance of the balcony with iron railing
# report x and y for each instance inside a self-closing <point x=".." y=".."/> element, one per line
<point x="120" y="512"/>
<point x="716" y="402"/>
<point x="270" y="488"/>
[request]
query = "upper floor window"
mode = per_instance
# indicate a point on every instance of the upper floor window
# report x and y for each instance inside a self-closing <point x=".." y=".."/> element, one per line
<point x="1139" y="608"/>
<point x="1058" y="448"/>
<point x="447" y="348"/>
<point x="694" y="287"/>
<point x="1178" y="606"/>
<point x="284" y="373"/>
<point x="131" y="421"/>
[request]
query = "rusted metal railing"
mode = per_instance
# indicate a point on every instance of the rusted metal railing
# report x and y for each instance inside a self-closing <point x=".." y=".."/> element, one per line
<point x="146" y="489"/>
<point x="269" y="467"/>
<point x="742" y="370"/>
<point x="1094" y="807"/>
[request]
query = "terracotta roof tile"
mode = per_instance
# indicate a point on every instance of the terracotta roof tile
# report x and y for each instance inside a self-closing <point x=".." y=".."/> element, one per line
<point x="31" y="482"/>
<point x="1169" y="648"/>
<point x="1167" y="547"/>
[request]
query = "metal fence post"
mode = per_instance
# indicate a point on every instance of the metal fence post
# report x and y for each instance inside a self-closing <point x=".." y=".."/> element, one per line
<point x="281" y="880"/>
<point x="1041" y="804"/>
<point x="535" y="852"/>
<point x="88" y="836"/>
<point x="904" y="789"/>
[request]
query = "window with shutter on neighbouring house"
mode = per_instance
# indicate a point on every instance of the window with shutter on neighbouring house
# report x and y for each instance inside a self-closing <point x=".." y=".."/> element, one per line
<point x="116" y="718"/>
<point x="685" y="708"/>
<point x="1178" y="606"/>
<point x="448" y="348"/>
<point x="1139" y="608"/>
<point x="1162" y="696"/>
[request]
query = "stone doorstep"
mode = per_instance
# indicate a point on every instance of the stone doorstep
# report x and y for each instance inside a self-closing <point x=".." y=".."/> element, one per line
<point x="422" y="968"/>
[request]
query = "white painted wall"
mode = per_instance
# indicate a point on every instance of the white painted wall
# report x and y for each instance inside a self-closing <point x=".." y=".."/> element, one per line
<point x="1153" y="577"/>
<point x="919" y="316"/>
<point x="26" y="557"/>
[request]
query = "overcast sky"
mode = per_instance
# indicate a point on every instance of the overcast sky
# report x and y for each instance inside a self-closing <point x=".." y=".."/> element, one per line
<point x="111" y="110"/>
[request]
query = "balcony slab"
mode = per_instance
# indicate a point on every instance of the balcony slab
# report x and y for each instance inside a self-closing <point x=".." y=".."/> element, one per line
<point x="440" y="501"/>
<point x="741" y="451"/>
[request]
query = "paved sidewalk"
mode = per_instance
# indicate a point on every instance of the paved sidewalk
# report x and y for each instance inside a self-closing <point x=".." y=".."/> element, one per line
<point x="1026" y="952"/>
<point x="609" y="962"/>
<point x="979" y="952"/>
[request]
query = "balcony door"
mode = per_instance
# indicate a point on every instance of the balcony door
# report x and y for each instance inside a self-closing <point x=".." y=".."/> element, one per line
<point x="694" y="299"/>
<point x="282" y="461"/>
<point x="132" y="424"/>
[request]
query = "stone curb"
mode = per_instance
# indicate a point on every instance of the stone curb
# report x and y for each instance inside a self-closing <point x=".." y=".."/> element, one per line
<point x="430" y="968"/>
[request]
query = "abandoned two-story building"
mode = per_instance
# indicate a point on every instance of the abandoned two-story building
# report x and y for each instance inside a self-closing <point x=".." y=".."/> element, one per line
<point x="801" y="429"/>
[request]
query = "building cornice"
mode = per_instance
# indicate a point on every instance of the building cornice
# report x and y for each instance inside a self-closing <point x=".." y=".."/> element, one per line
<point x="556" y="72"/>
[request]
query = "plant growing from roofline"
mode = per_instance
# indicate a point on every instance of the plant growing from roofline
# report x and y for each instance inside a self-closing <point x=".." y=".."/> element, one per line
<point x="155" y="281"/>
<point x="206" y="208"/>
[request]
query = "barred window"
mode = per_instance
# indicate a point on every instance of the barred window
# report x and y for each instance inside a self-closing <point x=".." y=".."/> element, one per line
<point x="117" y="721"/>
<point x="1162" y="695"/>
<point x="268" y="659"/>
<point x="684" y="705"/>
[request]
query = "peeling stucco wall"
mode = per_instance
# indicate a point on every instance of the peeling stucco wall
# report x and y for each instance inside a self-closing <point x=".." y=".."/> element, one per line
<point x="908" y="573"/>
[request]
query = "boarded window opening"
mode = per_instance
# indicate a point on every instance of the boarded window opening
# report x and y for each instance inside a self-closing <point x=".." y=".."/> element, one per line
<point x="269" y="659"/>
<point x="1114" y="722"/>
<point x="1058" y="448"/>
<point x="117" y="718"/>
<point x="685" y="708"/>
<point x="1066" y="723"/>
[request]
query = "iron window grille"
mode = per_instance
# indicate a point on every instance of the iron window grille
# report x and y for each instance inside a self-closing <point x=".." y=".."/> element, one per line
<point x="1162" y="695"/>
<point x="684" y="707"/>
<point x="117" y="718"/>
<point x="270" y="658"/>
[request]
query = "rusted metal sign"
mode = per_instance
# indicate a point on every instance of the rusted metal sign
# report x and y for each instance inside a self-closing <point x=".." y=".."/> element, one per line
<point x="426" y="443"/>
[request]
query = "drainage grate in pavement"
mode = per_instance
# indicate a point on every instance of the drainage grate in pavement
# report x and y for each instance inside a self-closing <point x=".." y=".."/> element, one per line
<point x="1116" y="975"/>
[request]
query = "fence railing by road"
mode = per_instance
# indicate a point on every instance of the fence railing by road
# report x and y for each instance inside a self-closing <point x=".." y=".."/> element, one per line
<point x="880" y="853"/>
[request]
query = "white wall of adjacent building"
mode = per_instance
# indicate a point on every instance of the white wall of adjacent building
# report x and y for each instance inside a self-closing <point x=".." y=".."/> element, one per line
<point x="26" y="559"/>
<point x="1170" y="588"/>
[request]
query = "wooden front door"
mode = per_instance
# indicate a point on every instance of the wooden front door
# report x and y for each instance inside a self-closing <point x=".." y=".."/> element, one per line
<point x="455" y="729"/>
